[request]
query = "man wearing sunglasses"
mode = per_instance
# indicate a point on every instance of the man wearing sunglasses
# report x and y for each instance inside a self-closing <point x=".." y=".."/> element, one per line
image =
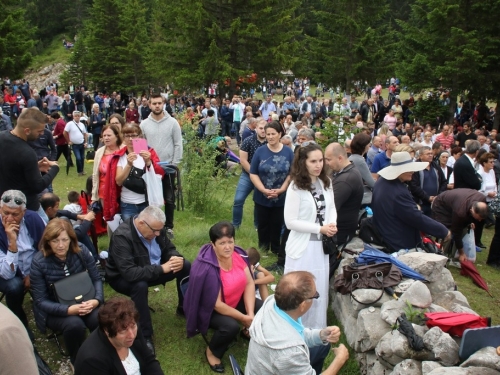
<point x="20" y="233"/>
<point x="141" y="255"/>
<point x="280" y="345"/>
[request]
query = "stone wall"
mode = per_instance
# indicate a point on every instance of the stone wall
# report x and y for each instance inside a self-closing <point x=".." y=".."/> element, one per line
<point x="382" y="350"/>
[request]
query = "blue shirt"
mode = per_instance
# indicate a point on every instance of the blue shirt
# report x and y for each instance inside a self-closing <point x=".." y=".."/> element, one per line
<point x="273" y="169"/>
<point x="380" y="162"/>
<point x="152" y="246"/>
<point x="247" y="133"/>
<point x="296" y="324"/>
<point x="250" y="145"/>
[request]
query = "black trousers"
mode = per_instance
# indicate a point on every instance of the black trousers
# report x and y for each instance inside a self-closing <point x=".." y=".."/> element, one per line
<point x="169" y="197"/>
<point x="282" y="252"/>
<point x="138" y="292"/>
<point x="73" y="328"/>
<point x="478" y="231"/>
<point x="494" y="254"/>
<point x="64" y="149"/>
<point x="270" y="222"/>
<point x="227" y="328"/>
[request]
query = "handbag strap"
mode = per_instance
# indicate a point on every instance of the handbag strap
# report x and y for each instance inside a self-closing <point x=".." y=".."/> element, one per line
<point x="380" y="277"/>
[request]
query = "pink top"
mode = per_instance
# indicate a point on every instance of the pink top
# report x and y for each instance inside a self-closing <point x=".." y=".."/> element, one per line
<point x="234" y="281"/>
<point x="390" y="121"/>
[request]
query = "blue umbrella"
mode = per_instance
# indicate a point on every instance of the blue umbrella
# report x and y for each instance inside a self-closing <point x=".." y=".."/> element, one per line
<point x="370" y="254"/>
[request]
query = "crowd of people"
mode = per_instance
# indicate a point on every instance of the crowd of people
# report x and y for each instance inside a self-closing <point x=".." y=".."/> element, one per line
<point x="431" y="179"/>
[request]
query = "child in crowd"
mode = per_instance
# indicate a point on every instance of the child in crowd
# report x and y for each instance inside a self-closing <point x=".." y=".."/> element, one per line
<point x="74" y="206"/>
<point x="262" y="276"/>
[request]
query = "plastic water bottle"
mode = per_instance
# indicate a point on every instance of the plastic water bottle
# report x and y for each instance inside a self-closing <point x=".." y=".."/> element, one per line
<point x="369" y="212"/>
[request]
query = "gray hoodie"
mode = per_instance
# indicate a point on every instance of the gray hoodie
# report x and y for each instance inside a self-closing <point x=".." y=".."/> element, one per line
<point x="276" y="347"/>
<point x="164" y="136"/>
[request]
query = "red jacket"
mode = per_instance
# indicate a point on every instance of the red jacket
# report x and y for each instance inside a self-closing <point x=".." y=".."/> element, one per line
<point x="132" y="115"/>
<point x="113" y="191"/>
<point x="59" y="132"/>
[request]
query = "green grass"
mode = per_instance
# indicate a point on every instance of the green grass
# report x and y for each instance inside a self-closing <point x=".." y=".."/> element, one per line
<point x="52" y="53"/>
<point x="176" y="353"/>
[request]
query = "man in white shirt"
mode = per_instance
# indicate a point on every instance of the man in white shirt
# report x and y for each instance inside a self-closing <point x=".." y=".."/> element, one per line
<point x="208" y="106"/>
<point x="76" y="135"/>
<point x="238" y="115"/>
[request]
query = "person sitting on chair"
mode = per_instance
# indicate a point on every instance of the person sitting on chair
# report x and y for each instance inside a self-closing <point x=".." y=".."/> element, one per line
<point x="20" y="233"/>
<point x="279" y="342"/>
<point x="140" y="256"/>
<point x="221" y="293"/>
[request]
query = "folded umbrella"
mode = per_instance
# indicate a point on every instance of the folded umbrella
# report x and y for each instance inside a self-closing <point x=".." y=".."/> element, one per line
<point x="231" y="155"/>
<point x="370" y="254"/>
<point x="469" y="269"/>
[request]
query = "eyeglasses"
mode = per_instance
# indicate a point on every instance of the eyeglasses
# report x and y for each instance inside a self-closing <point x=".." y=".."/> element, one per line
<point x="153" y="230"/>
<point x="130" y="135"/>
<point x="304" y="144"/>
<point x="316" y="296"/>
<point x="18" y="201"/>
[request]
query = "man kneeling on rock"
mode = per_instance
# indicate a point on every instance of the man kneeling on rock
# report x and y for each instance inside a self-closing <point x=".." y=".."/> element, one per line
<point x="279" y="342"/>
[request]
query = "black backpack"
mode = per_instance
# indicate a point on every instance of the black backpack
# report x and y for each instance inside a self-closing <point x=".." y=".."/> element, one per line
<point x="369" y="234"/>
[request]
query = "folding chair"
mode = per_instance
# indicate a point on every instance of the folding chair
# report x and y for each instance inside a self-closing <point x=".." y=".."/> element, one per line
<point x="172" y="172"/>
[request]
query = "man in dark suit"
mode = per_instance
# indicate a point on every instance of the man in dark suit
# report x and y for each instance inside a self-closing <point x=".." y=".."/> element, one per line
<point x="466" y="177"/>
<point x="464" y="172"/>
<point x="68" y="107"/>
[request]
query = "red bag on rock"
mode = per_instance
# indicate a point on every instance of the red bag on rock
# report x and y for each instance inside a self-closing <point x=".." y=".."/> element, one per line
<point x="456" y="323"/>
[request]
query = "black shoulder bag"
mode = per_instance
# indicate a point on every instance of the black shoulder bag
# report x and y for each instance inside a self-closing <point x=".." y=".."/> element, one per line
<point x="329" y="243"/>
<point x="76" y="288"/>
<point x="135" y="182"/>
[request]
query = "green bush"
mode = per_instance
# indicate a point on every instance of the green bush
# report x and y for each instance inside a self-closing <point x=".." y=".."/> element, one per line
<point x="202" y="181"/>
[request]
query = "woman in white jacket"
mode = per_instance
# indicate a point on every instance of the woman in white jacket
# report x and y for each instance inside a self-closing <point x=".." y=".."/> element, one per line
<point x="310" y="193"/>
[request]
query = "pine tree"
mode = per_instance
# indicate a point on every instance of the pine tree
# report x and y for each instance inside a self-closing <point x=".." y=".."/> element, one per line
<point x="16" y="40"/>
<point x="134" y="42"/>
<point x="350" y="42"/>
<point x="222" y="40"/>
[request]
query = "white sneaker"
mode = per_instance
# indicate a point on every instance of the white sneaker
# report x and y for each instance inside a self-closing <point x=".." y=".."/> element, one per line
<point x="455" y="263"/>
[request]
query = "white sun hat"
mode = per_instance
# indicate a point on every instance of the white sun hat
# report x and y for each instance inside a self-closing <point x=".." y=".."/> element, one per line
<point x="401" y="162"/>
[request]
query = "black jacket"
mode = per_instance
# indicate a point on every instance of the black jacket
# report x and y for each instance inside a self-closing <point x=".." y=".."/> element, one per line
<point x="129" y="258"/>
<point x="45" y="271"/>
<point x="465" y="175"/>
<point x="348" y="193"/>
<point x="97" y="356"/>
<point x="68" y="109"/>
<point x="419" y="195"/>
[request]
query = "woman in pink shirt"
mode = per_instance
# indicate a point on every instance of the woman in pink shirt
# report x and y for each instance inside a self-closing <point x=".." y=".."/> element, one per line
<point x="390" y="120"/>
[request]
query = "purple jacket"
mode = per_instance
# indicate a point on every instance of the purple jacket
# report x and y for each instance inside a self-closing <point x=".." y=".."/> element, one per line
<point x="203" y="289"/>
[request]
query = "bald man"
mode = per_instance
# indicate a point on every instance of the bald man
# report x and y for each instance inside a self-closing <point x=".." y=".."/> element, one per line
<point x="347" y="191"/>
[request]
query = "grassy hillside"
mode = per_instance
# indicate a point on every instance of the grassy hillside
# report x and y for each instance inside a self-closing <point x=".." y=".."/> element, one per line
<point x="53" y="53"/>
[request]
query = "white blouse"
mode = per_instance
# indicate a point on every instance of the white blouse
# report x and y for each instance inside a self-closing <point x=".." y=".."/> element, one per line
<point x="131" y="364"/>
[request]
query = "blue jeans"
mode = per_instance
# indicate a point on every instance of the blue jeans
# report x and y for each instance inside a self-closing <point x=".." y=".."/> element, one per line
<point x="79" y="152"/>
<point x="226" y="128"/>
<point x="236" y="127"/>
<point x="317" y="355"/>
<point x="244" y="188"/>
<point x="128" y="210"/>
<point x="14" y="296"/>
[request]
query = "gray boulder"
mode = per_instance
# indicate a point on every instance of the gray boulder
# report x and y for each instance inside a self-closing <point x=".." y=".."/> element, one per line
<point x="463" y="371"/>
<point x="442" y="345"/>
<point x="436" y="308"/>
<point x="408" y="367"/>
<point x="418" y="295"/>
<point x="356" y="244"/>
<point x="368" y="295"/>
<point x="445" y="283"/>
<point x="342" y="307"/>
<point x="403" y="285"/>
<point x="428" y="265"/>
<point x="391" y="310"/>
<point x="428" y="366"/>
<point x="394" y="348"/>
<point x="370" y="329"/>
<point x="485" y="357"/>
<point x="450" y="300"/>
<point x="370" y="364"/>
